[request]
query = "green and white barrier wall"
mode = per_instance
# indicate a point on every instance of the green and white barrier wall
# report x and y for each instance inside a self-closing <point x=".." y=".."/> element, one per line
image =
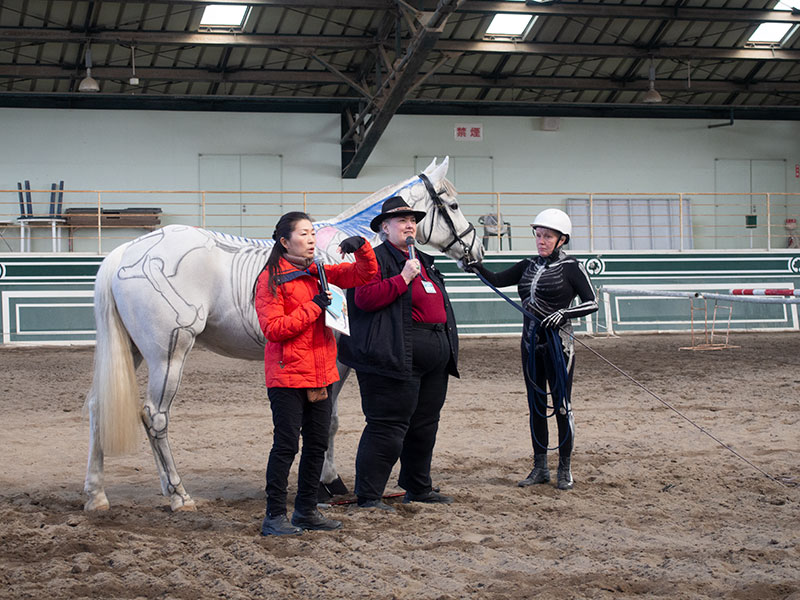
<point x="47" y="298"/>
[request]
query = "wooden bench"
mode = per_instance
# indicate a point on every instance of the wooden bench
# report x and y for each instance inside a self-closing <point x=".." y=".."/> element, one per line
<point x="120" y="218"/>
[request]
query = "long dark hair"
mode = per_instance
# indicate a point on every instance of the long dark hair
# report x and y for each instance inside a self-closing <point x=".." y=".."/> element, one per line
<point x="283" y="229"/>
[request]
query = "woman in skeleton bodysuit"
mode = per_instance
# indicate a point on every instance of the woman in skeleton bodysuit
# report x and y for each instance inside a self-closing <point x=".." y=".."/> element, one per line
<point x="547" y="284"/>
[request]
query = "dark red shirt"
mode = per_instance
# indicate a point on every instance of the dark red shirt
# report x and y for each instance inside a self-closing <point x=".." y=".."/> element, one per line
<point x="379" y="293"/>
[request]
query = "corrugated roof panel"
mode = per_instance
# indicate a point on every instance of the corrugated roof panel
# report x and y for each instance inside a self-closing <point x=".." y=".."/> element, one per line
<point x="44" y="43"/>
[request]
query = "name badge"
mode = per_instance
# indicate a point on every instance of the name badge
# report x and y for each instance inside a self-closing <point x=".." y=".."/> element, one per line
<point x="429" y="287"/>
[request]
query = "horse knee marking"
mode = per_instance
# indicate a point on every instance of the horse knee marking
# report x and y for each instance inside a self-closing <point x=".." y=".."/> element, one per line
<point x="159" y="423"/>
<point x="156" y="423"/>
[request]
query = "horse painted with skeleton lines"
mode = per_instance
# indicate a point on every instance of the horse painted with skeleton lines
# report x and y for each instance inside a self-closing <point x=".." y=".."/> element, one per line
<point x="160" y="293"/>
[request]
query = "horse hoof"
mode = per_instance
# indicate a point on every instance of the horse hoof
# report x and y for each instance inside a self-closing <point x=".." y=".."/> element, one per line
<point x="326" y="491"/>
<point x="96" y="503"/>
<point x="183" y="504"/>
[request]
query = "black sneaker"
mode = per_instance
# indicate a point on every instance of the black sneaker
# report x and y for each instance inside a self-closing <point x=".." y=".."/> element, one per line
<point x="379" y="504"/>
<point x="279" y="526"/>
<point x="431" y="497"/>
<point x="315" y="520"/>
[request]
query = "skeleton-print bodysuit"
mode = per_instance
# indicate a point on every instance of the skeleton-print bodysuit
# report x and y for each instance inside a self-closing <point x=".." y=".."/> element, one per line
<point x="546" y="285"/>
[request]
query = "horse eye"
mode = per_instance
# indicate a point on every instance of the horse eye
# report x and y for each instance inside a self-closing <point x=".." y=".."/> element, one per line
<point x="454" y="206"/>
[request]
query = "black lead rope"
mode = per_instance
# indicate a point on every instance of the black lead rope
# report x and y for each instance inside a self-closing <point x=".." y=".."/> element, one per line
<point x="641" y="385"/>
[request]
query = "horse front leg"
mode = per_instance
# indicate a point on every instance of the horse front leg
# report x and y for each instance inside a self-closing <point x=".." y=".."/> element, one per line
<point x="163" y="382"/>
<point x="331" y="483"/>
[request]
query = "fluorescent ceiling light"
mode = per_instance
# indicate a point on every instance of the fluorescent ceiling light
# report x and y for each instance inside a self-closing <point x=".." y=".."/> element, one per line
<point x="770" y="33"/>
<point x="224" y="15"/>
<point x="787" y="5"/>
<point x="509" y="25"/>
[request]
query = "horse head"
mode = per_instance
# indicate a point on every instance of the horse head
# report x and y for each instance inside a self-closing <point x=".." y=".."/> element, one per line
<point x="445" y="227"/>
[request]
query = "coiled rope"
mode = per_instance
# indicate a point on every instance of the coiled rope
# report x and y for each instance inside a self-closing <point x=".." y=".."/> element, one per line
<point x="558" y="385"/>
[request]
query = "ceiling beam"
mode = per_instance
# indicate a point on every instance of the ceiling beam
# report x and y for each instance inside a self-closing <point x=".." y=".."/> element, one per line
<point x="627" y="11"/>
<point x="372" y="123"/>
<point x="171" y="74"/>
<point x="617" y="50"/>
<point x="179" y="38"/>
<point x="320" y="77"/>
<point x="553" y="9"/>
<point x="140" y="38"/>
<point x="412" y="107"/>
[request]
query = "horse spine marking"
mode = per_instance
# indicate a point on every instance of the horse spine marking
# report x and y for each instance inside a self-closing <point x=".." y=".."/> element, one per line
<point x="113" y="400"/>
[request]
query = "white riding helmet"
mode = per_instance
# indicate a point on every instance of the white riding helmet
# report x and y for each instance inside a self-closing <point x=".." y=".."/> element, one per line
<point x="554" y="219"/>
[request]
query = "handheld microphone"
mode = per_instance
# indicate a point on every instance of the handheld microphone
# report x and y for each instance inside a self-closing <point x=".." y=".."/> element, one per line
<point x="323" y="278"/>
<point x="412" y="251"/>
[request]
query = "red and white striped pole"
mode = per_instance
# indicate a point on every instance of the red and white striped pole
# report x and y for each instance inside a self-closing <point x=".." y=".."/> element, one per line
<point x="764" y="292"/>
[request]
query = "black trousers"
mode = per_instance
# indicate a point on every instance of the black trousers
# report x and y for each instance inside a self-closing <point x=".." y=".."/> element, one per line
<point x="292" y="416"/>
<point x="538" y="404"/>
<point x="403" y="419"/>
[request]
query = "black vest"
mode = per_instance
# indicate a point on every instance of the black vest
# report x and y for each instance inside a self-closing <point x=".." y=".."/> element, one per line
<point x="380" y="341"/>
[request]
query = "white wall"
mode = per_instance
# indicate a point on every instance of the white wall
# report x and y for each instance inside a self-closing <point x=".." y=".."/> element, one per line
<point x="107" y="150"/>
<point x="99" y="149"/>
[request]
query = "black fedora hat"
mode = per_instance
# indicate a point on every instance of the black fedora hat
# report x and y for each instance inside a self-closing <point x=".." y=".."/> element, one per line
<point x="394" y="207"/>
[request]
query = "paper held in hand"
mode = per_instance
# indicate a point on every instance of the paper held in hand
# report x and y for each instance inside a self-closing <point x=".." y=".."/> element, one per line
<point x="336" y="312"/>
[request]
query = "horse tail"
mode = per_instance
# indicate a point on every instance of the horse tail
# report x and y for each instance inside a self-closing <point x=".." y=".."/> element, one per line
<point x="113" y="400"/>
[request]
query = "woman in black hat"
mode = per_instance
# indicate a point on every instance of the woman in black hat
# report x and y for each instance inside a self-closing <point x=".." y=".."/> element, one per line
<point x="403" y="345"/>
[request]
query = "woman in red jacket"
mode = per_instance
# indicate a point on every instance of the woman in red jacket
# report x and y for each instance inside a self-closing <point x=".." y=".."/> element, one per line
<point x="300" y="364"/>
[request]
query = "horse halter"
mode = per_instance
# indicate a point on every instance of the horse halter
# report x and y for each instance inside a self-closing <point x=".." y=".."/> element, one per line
<point x="442" y="210"/>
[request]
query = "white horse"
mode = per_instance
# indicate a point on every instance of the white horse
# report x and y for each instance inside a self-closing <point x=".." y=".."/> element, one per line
<point x="160" y="293"/>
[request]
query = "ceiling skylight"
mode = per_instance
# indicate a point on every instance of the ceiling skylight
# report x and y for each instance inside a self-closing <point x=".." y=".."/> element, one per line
<point x="224" y="15"/>
<point x="508" y="25"/>
<point x="774" y="33"/>
<point x="770" y="33"/>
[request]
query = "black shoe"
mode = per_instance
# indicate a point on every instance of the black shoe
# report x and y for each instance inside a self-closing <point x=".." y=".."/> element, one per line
<point x="315" y="520"/>
<point x="379" y="504"/>
<point x="279" y="526"/>
<point x="565" y="481"/>
<point x="431" y="497"/>
<point x="540" y="472"/>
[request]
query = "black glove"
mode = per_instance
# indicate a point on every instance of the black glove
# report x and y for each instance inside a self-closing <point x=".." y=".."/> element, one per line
<point x="352" y="244"/>
<point x="554" y="320"/>
<point x="321" y="300"/>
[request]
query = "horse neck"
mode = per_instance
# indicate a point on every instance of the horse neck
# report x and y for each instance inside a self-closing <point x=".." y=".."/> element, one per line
<point x="356" y="219"/>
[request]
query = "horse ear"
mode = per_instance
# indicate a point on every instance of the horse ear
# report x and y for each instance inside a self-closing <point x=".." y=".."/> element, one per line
<point x="438" y="173"/>
<point x="429" y="169"/>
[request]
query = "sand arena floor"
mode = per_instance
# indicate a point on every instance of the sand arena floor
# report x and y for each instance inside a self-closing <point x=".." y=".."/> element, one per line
<point x="659" y="509"/>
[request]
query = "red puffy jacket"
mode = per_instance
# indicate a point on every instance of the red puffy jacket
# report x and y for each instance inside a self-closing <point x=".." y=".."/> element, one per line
<point x="301" y="350"/>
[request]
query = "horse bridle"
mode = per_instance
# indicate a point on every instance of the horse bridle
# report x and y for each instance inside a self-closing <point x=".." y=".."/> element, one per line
<point x="442" y="210"/>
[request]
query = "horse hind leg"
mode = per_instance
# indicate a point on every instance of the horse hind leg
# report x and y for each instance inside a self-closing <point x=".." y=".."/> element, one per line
<point x="163" y="381"/>
<point x="331" y="483"/>
<point x="94" y="485"/>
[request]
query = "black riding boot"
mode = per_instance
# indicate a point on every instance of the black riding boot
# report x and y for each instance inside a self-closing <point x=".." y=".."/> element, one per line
<point x="540" y="473"/>
<point x="564" y="473"/>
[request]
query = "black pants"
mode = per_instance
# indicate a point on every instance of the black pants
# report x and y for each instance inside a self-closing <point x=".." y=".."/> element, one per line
<point x="538" y="404"/>
<point x="293" y="415"/>
<point x="403" y="419"/>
